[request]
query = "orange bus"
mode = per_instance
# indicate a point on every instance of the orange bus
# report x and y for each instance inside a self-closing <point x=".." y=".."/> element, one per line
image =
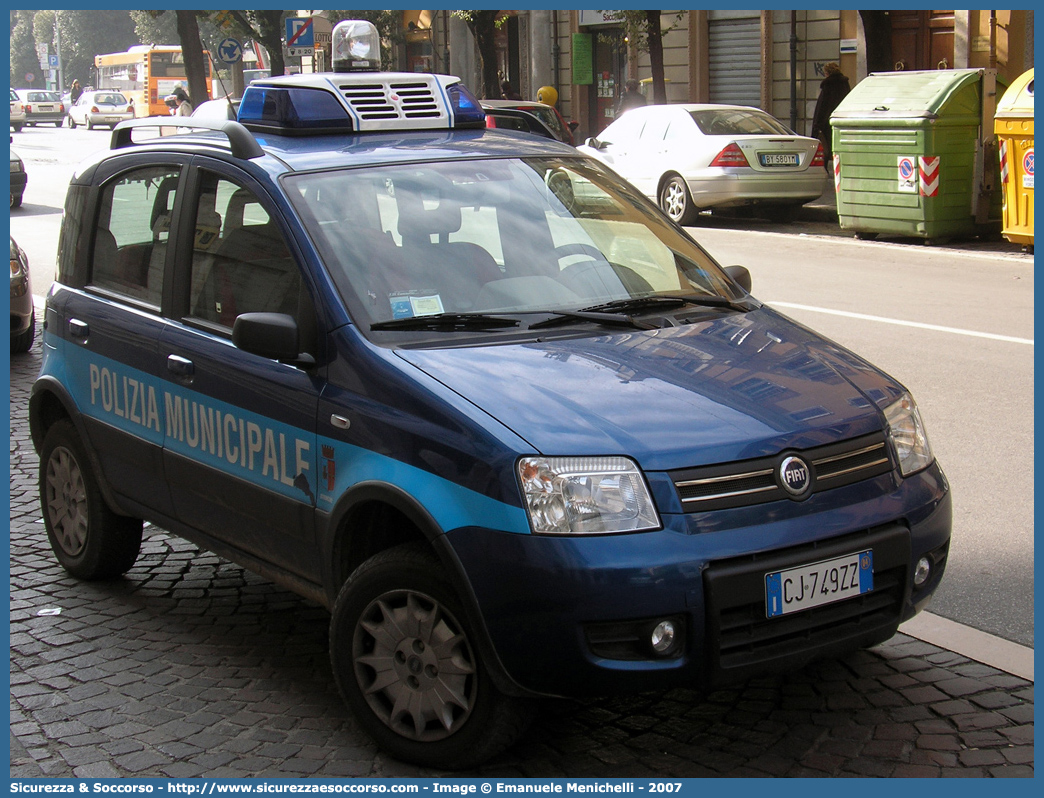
<point x="147" y="74"/>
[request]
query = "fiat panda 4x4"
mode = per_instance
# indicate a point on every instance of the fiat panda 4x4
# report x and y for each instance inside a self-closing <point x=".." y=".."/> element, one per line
<point x="475" y="394"/>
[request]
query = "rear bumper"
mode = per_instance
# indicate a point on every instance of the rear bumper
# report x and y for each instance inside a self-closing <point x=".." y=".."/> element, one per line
<point x="47" y="118"/>
<point x="730" y="188"/>
<point x="571" y="616"/>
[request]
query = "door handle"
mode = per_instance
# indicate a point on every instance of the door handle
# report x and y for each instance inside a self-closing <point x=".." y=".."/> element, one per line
<point x="180" y="366"/>
<point x="78" y="329"/>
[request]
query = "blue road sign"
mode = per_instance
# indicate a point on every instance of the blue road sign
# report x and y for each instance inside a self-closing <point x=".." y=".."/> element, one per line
<point x="229" y="51"/>
<point x="300" y="32"/>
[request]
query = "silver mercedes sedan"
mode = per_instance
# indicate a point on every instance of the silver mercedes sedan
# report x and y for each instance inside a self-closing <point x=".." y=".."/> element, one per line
<point x="690" y="158"/>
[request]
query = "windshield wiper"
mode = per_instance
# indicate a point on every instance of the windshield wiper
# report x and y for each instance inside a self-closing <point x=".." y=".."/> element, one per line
<point x="663" y="301"/>
<point x="561" y="317"/>
<point x="446" y="321"/>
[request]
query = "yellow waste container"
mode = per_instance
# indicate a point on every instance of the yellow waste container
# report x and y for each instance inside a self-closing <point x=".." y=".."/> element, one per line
<point x="1014" y="128"/>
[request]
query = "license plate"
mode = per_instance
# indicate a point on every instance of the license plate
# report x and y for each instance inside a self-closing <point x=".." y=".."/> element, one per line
<point x="778" y="158"/>
<point x="808" y="586"/>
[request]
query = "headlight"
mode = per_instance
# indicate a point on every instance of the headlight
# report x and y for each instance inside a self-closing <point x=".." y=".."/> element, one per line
<point x="906" y="429"/>
<point x="585" y="495"/>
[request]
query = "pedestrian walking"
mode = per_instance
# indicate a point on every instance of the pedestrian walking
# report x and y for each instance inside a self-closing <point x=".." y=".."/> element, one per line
<point x="630" y="98"/>
<point x="832" y="90"/>
<point x="75" y="90"/>
<point x="178" y="102"/>
<point x="509" y="91"/>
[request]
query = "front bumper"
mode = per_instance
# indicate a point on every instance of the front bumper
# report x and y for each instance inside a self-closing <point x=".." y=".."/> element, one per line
<point x="551" y="605"/>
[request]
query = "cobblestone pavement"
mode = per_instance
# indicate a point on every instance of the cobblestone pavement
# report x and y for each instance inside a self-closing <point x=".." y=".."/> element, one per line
<point x="190" y="667"/>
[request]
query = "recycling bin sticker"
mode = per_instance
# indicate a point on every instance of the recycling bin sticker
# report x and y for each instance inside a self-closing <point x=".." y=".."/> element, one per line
<point x="1027" y="169"/>
<point x="907" y="174"/>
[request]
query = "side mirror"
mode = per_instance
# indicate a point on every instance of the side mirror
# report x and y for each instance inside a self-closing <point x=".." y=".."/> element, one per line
<point x="271" y="335"/>
<point x="740" y="276"/>
<point x="593" y="142"/>
<point x="573" y="125"/>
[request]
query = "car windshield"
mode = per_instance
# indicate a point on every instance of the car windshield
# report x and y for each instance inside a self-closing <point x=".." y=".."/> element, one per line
<point x="738" y="122"/>
<point x="505" y="236"/>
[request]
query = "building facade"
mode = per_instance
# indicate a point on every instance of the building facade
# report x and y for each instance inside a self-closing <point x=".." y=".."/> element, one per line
<point x="769" y="59"/>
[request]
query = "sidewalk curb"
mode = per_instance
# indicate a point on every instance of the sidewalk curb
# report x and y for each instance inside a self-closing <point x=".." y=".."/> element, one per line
<point x="968" y="642"/>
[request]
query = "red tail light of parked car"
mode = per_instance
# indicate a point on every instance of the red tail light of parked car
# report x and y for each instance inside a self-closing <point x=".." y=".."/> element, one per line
<point x="732" y="155"/>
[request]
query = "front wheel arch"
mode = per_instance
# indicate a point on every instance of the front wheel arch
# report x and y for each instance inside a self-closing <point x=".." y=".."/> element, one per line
<point x="408" y="662"/>
<point x="354" y="535"/>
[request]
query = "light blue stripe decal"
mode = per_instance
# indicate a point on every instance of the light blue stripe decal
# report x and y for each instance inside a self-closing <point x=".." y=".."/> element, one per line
<point x="268" y="453"/>
<point x="451" y="505"/>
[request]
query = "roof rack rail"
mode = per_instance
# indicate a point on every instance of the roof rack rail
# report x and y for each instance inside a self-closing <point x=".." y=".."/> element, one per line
<point x="241" y="140"/>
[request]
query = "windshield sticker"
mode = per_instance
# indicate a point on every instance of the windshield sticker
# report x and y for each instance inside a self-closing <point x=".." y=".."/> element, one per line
<point x="409" y="304"/>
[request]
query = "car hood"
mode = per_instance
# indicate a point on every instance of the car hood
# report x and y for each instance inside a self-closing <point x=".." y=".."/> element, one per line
<point x="740" y="386"/>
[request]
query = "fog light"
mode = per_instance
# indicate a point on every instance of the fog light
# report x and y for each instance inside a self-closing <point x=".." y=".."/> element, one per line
<point x="663" y="637"/>
<point x="922" y="571"/>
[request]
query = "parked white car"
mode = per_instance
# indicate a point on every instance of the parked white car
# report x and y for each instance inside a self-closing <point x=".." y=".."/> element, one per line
<point x="17" y="112"/>
<point x="690" y="158"/>
<point x="103" y="107"/>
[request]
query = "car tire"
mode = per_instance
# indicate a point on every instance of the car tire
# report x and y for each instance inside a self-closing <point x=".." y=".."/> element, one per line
<point x="399" y="631"/>
<point x="90" y="124"/>
<point x="676" y="201"/>
<point x="88" y="538"/>
<point x="23" y="341"/>
<point x="17" y="128"/>
<point x="58" y="124"/>
<point x="16" y="200"/>
<point x="72" y="123"/>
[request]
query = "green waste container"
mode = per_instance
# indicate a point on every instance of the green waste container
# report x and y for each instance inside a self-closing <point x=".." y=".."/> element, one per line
<point x="915" y="155"/>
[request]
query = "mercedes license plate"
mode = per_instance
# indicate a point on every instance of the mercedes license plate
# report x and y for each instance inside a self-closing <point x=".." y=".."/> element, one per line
<point x="808" y="586"/>
<point x="778" y="158"/>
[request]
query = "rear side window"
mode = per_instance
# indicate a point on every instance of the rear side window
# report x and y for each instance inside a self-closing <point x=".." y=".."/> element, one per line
<point x="131" y="236"/>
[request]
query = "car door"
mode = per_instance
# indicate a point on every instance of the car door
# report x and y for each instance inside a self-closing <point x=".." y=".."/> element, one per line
<point x="240" y="439"/>
<point x="110" y="328"/>
<point x="618" y="144"/>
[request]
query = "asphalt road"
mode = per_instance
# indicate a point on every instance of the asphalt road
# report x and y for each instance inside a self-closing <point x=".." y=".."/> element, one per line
<point x="954" y="324"/>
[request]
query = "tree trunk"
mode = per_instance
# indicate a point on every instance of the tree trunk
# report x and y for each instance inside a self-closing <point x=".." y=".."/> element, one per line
<point x="483" y="28"/>
<point x="269" y="25"/>
<point x="659" y="86"/>
<point x="192" y="52"/>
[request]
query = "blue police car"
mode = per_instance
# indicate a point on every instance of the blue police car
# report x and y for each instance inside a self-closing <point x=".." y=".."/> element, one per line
<point x="478" y="396"/>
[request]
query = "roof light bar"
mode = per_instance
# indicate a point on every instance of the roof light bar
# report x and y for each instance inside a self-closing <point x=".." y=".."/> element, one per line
<point x="359" y="102"/>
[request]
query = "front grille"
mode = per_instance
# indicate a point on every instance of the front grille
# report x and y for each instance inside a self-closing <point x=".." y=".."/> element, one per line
<point x="377" y="101"/>
<point x="743" y="640"/>
<point x="747" y="482"/>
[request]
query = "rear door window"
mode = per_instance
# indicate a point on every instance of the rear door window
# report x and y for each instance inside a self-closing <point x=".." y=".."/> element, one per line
<point x="132" y="232"/>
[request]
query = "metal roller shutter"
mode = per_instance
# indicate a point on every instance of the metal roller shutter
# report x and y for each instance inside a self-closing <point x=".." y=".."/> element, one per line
<point x="735" y="57"/>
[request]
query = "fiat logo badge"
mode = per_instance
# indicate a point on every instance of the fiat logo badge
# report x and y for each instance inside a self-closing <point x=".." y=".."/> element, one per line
<point x="795" y="476"/>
